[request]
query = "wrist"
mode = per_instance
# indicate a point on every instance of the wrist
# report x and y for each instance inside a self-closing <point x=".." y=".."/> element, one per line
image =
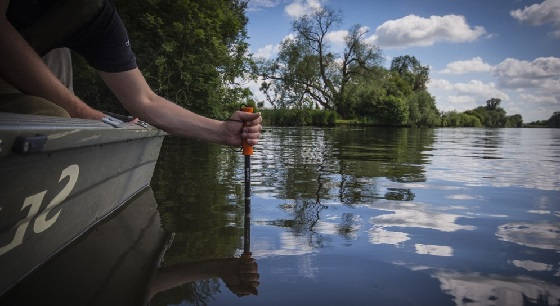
<point x="91" y="114"/>
<point x="223" y="133"/>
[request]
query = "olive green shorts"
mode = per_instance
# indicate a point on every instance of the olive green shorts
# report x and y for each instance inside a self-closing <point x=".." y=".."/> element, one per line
<point x="14" y="101"/>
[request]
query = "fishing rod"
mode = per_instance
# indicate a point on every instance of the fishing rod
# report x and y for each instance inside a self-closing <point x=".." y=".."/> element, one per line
<point x="247" y="152"/>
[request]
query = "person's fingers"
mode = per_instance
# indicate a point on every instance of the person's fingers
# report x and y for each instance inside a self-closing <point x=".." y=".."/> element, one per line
<point x="250" y="266"/>
<point x="249" y="135"/>
<point x="253" y="288"/>
<point x="257" y="121"/>
<point x="250" y="277"/>
<point x="252" y="138"/>
<point x="246" y="116"/>
<point x="252" y="129"/>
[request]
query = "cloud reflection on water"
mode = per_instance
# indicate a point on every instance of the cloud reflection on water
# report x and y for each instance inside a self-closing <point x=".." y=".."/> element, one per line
<point x="536" y="235"/>
<point x="437" y="250"/>
<point x="475" y="289"/>
<point x="419" y="216"/>
<point x="530" y="265"/>
<point x="378" y="235"/>
<point x="290" y="244"/>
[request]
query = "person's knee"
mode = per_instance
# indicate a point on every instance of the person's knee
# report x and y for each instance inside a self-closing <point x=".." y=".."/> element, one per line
<point x="43" y="107"/>
<point x="31" y="105"/>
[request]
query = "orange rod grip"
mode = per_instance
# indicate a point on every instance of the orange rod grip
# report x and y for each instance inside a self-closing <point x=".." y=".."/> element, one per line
<point x="247" y="149"/>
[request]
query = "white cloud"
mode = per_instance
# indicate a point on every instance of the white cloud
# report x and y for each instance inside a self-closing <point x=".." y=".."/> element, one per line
<point x="300" y="8"/>
<point x="289" y="37"/>
<point x="256" y="5"/>
<point x="413" y="30"/>
<point x="481" y="89"/>
<point x="474" y="89"/>
<point x="440" y="83"/>
<point x="271" y="50"/>
<point x="337" y="37"/>
<point x="543" y="73"/>
<point x="476" y="64"/>
<point x="542" y="67"/>
<point x="534" y="86"/>
<point x="547" y="12"/>
<point x="542" y="100"/>
<point x="462" y="100"/>
<point x="268" y="51"/>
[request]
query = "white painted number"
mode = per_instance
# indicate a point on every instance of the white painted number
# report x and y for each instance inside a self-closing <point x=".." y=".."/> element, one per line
<point x="41" y="222"/>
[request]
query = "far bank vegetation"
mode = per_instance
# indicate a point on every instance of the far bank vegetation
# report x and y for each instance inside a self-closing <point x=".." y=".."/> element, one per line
<point x="307" y="79"/>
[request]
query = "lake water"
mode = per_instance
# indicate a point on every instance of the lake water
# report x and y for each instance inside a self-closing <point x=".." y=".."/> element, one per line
<point x="370" y="216"/>
<point x="342" y="216"/>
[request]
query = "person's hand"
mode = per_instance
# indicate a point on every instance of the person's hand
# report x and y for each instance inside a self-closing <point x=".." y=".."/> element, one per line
<point x="235" y="131"/>
<point x="241" y="275"/>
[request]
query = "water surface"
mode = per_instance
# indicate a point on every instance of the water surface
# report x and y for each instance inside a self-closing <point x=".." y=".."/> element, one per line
<point x="370" y="216"/>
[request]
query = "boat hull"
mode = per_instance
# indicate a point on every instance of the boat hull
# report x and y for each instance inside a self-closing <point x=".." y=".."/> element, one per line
<point x="110" y="265"/>
<point x="84" y="172"/>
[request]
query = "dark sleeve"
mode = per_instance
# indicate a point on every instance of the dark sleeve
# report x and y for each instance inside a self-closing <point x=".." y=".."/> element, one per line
<point x="104" y="42"/>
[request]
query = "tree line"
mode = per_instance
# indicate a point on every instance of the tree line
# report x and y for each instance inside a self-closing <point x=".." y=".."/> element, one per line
<point x="194" y="53"/>
<point x="491" y="115"/>
<point x="552" y="122"/>
<point x="308" y="75"/>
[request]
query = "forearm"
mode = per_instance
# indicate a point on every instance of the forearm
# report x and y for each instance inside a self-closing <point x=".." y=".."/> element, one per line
<point x="133" y="92"/>
<point x="179" y="121"/>
<point x="25" y="70"/>
<point x="170" y="277"/>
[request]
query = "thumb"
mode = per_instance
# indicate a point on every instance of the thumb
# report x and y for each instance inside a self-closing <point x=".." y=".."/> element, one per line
<point x="244" y="116"/>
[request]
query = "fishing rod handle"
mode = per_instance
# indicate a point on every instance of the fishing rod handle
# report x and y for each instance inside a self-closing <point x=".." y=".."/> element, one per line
<point x="247" y="149"/>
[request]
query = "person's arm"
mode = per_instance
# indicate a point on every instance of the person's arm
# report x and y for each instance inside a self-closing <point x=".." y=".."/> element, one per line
<point x="241" y="275"/>
<point x="135" y="94"/>
<point x="25" y="70"/>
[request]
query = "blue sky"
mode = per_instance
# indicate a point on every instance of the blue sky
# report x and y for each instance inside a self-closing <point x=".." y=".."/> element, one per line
<point x="475" y="49"/>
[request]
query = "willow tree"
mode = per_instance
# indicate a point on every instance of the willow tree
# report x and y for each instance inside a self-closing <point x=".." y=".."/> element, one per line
<point x="307" y="73"/>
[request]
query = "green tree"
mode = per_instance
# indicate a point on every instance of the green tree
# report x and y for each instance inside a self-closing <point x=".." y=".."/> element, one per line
<point x="554" y="120"/>
<point x="409" y="68"/>
<point x="514" y="121"/>
<point x="491" y="115"/>
<point x="455" y="119"/>
<point x="422" y="110"/>
<point x="493" y="103"/>
<point x="382" y="98"/>
<point x="306" y="72"/>
<point x="190" y="52"/>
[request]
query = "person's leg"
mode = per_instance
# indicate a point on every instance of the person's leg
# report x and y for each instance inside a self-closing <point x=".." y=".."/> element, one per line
<point x="31" y="105"/>
<point x="14" y="101"/>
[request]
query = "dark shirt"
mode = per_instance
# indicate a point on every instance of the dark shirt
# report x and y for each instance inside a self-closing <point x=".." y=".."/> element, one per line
<point x="91" y="28"/>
